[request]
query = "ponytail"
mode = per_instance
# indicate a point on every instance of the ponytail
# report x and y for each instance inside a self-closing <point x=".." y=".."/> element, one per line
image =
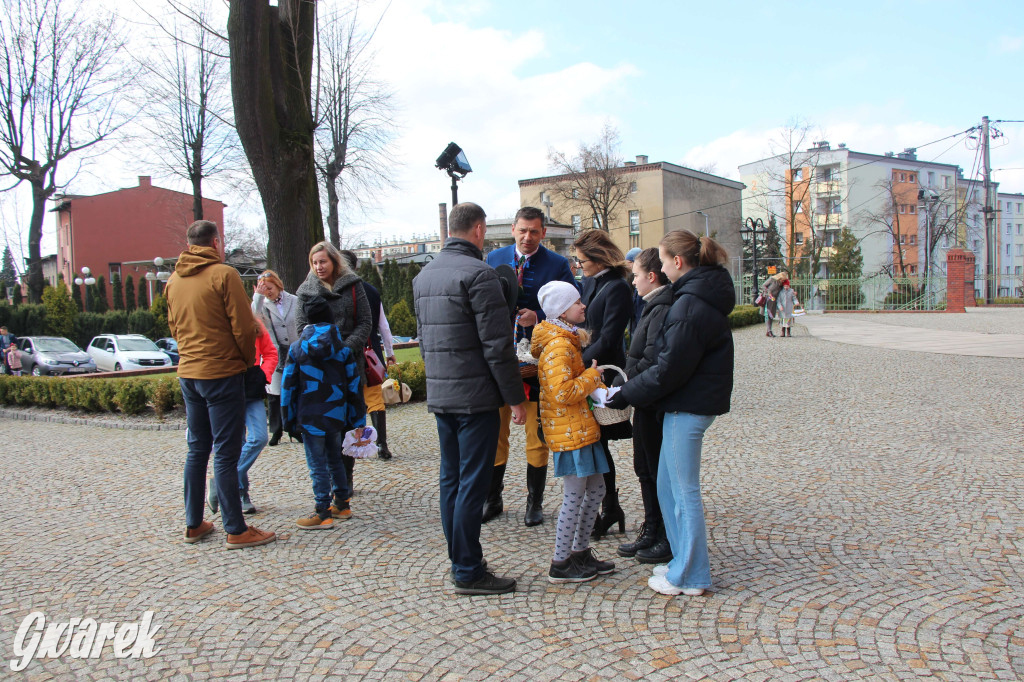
<point x="694" y="250"/>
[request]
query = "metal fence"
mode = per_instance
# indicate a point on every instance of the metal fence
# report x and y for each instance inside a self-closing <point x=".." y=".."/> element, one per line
<point x="882" y="292"/>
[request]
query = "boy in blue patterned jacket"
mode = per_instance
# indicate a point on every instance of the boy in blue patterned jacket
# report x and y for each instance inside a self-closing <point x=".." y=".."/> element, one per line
<point x="320" y="395"/>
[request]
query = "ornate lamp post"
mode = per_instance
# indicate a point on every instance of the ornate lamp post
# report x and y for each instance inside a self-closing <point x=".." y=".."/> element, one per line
<point x="88" y="282"/>
<point x="754" y="228"/>
<point x="158" y="276"/>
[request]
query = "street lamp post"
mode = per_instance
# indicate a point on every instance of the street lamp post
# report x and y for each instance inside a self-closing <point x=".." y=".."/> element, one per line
<point x="158" y="276"/>
<point x="706" y="233"/>
<point x="754" y="228"/>
<point x="88" y="282"/>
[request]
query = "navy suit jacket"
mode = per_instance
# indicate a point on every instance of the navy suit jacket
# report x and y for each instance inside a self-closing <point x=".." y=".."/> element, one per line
<point x="544" y="266"/>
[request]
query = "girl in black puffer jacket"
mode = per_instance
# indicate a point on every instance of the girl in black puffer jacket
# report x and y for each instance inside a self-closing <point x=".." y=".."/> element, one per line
<point x="692" y="383"/>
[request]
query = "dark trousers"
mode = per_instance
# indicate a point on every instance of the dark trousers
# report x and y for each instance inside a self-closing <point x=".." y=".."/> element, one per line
<point x="647" y="434"/>
<point x="467" y="460"/>
<point x="215" y="411"/>
<point x="274" y="412"/>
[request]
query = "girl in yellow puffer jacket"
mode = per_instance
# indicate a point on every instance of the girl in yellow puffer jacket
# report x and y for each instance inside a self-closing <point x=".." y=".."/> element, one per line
<point x="570" y="430"/>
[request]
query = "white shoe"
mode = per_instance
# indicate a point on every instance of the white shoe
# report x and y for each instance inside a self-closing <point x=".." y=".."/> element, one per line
<point x="661" y="585"/>
<point x="660" y="571"/>
<point x="693" y="591"/>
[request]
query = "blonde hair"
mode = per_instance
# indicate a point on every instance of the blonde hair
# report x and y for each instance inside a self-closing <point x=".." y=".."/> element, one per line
<point x="694" y="250"/>
<point x="340" y="266"/>
<point x="597" y="246"/>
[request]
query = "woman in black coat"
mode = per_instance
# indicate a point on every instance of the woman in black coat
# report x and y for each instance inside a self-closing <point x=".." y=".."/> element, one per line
<point x="609" y="302"/>
<point x="691" y="382"/>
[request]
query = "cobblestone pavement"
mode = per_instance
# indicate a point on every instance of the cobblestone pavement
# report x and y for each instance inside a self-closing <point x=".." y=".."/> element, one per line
<point x="864" y="509"/>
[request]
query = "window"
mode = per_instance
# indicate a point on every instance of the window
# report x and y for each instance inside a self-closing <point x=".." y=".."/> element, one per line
<point x="115" y="269"/>
<point x="836" y="208"/>
<point x="913" y="269"/>
<point x="798" y="174"/>
<point x="634" y="222"/>
<point x="543" y="197"/>
<point x="799" y="237"/>
<point x="903" y="239"/>
<point x="1007" y="249"/>
<point x="1018" y="207"/>
<point x="798" y="207"/>
<point x="632" y="187"/>
<point x="911" y="208"/>
<point x="576" y="223"/>
<point x="945" y="210"/>
<point x="575" y="193"/>
<point x="1018" y="228"/>
<point x="1020" y="249"/>
<point x="903" y="208"/>
<point x="945" y="182"/>
<point x="1017" y="270"/>
<point x="903" y="177"/>
<point x="913" y="239"/>
<point x="911" y="177"/>
<point x="977" y="245"/>
<point x="597" y="222"/>
<point x="943" y="267"/>
<point x="931" y="178"/>
<point x="945" y="241"/>
<point x="1009" y="228"/>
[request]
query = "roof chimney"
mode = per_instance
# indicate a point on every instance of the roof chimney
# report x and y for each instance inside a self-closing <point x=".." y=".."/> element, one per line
<point x="145" y="181"/>
<point x="641" y="159"/>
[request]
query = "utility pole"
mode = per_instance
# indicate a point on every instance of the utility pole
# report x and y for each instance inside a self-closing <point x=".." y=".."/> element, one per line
<point x="989" y="213"/>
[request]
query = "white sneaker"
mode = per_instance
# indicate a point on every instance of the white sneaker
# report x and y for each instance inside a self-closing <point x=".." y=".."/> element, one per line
<point x="661" y="585"/>
<point x="660" y="571"/>
<point x="693" y="591"/>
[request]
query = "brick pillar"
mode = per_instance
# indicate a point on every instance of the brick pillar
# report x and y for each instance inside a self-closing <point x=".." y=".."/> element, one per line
<point x="442" y="214"/>
<point x="959" y="281"/>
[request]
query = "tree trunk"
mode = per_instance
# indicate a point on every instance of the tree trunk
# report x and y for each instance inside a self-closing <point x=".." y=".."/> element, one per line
<point x="271" y="67"/>
<point x="197" y="198"/>
<point x="331" y="180"/>
<point x="35" y="236"/>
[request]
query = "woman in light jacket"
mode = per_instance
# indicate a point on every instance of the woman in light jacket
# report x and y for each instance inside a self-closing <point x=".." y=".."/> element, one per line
<point x="275" y="308"/>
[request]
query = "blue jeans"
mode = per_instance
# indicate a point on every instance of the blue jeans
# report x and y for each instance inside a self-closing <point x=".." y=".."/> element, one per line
<point x="468" y="443"/>
<point x="255" y="440"/>
<point x="214" y="410"/>
<point x="679" y="496"/>
<point x="323" y="457"/>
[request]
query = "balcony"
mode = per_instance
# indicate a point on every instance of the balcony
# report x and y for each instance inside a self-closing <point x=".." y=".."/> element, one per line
<point x="833" y="221"/>
<point x="829" y="188"/>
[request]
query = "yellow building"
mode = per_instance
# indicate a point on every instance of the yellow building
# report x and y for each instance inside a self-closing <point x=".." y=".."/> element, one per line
<point x="657" y="198"/>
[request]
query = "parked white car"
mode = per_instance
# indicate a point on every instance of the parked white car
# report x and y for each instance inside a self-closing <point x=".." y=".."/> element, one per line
<point x="115" y="352"/>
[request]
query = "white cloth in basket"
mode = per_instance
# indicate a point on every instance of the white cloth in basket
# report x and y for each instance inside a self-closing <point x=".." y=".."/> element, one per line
<point x="601" y="395"/>
<point x="360" y="448"/>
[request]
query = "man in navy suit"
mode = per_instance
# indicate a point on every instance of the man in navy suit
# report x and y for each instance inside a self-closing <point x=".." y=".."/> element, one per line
<point x="535" y="266"/>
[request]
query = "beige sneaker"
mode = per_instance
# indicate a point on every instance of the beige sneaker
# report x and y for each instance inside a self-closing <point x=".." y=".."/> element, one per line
<point x="314" y="522"/>
<point x="252" y="537"/>
<point x="344" y="512"/>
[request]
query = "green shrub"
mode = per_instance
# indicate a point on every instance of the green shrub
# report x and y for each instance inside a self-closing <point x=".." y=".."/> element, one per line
<point x="162" y="396"/>
<point x="141" y="321"/>
<point x="413" y="374"/>
<point x="130" y="396"/>
<point x="744" y="316"/>
<point x="159" y="310"/>
<point x="60" y="311"/>
<point x="1005" y="300"/>
<point x="401" y="320"/>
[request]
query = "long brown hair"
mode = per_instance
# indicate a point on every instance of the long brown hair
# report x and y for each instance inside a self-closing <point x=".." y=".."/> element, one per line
<point x="693" y="249"/>
<point x="597" y="246"/>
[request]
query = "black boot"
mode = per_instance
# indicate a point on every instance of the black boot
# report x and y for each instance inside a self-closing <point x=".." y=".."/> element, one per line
<point x="380" y="423"/>
<point x="494" y="506"/>
<point x="350" y="468"/>
<point x="275" y="438"/>
<point x="658" y="553"/>
<point x="274" y="414"/>
<point x="647" y="536"/>
<point x="536" y="477"/>
<point x="611" y="513"/>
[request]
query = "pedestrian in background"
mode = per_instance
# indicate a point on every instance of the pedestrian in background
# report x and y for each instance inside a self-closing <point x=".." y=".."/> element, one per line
<point x="13" y="359"/>
<point x="276" y="308"/>
<point x="692" y="383"/>
<point x="787" y="305"/>
<point x="770" y="295"/>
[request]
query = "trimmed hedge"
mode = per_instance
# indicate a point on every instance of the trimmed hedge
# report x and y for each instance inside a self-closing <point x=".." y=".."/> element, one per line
<point x="128" y="396"/>
<point x="745" y="315"/>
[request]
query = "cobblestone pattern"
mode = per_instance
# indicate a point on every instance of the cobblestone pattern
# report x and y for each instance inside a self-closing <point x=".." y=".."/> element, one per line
<point x="864" y="510"/>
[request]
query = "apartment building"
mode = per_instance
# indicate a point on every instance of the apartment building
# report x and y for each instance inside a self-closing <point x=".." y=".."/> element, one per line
<point x="1010" y="243"/>
<point x="904" y="211"/>
<point x="659" y="197"/>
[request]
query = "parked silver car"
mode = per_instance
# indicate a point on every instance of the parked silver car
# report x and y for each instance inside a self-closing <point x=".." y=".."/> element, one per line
<point x="52" y="355"/>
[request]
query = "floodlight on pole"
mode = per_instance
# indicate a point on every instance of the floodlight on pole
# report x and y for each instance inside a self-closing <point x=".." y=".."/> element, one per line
<point x="453" y="161"/>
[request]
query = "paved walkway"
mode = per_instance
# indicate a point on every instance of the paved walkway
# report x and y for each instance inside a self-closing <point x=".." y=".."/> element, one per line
<point x="865" y="516"/>
<point x="863" y="329"/>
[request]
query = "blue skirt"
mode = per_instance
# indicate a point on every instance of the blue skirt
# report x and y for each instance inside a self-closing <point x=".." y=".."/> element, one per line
<point x="585" y="461"/>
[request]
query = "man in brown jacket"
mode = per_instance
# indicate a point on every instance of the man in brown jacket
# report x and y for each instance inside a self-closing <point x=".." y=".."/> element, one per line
<point x="208" y="314"/>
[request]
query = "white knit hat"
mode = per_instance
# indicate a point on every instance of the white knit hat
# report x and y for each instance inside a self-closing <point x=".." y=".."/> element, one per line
<point x="557" y="297"/>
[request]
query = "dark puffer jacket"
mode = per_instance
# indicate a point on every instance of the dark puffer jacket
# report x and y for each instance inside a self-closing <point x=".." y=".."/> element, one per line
<point x="695" y="350"/>
<point x="465" y="333"/>
<point x="643" y="350"/>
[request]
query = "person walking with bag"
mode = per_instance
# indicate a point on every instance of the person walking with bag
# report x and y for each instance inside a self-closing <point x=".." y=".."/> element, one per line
<point x="692" y="383"/>
<point x="770" y="299"/>
<point x="787" y="306"/>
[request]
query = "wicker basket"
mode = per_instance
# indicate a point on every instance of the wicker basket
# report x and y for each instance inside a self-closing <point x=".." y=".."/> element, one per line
<point x="527" y="370"/>
<point x="606" y="416"/>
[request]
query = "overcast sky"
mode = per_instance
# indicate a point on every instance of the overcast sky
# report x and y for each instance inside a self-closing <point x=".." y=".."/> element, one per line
<point x="690" y="83"/>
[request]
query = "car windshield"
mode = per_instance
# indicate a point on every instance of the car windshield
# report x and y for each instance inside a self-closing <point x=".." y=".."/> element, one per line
<point x="55" y="346"/>
<point x="171" y="344"/>
<point x="137" y="344"/>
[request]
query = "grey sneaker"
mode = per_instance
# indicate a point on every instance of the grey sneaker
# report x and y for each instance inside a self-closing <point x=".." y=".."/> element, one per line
<point x="488" y="584"/>
<point x="247" y="506"/>
<point x="570" y="571"/>
<point x="586" y="557"/>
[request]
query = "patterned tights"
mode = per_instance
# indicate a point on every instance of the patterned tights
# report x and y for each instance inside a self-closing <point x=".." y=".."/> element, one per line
<point x="580" y="503"/>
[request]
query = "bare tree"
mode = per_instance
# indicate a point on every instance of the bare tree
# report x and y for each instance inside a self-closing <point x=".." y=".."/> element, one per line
<point x="59" y="76"/>
<point x="186" y="101"/>
<point x="252" y="240"/>
<point x="271" y="48"/>
<point x="357" y="124"/>
<point x="593" y="177"/>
